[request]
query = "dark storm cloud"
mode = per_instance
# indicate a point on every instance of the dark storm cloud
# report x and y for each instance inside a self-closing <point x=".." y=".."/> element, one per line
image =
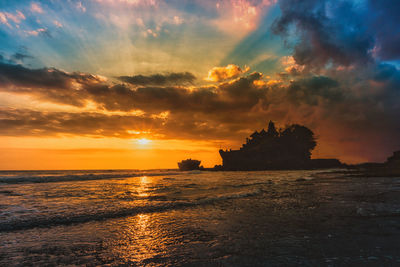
<point x="340" y="32"/>
<point x="160" y="79"/>
<point x="24" y="122"/>
<point x="20" y="57"/>
<point x="46" y="83"/>
<point x="328" y="32"/>
<point x="309" y="90"/>
<point x="388" y="74"/>
<point x="384" y="20"/>
<point x="22" y="77"/>
<point x="234" y="96"/>
<point x="78" y="88"/>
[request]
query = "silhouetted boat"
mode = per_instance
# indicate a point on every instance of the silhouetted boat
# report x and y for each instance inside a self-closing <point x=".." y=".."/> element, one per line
<point x="189" y="165"/>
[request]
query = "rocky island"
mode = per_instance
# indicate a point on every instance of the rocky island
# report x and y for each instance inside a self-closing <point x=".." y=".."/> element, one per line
<point x="284" y="149"/>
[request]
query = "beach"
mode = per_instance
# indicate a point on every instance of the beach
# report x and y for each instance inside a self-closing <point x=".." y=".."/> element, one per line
<point x="198" y="218"/>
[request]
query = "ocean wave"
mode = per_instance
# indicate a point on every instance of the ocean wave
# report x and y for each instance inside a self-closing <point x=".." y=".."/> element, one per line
<point x="76" y="177"/>
<point x="49" y="221"/>
<point x="244" y="185"/>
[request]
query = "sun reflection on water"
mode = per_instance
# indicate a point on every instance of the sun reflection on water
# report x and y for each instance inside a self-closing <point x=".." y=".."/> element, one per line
<point x="142" y="222"/>
<point x="142" y="189"/>
<point x="141" y="238"/>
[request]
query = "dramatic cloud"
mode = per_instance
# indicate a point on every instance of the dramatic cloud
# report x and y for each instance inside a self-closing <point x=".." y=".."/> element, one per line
<point x="310" y="90"/>
<point x="337" y="75"/>
<point x="19" y="57"/>
<point x="51" y="84"/>
<point x="328" y="32"/>
<point x="78" y="88"/>
<point x="24" y="122"/>
<point x="356" y="111"/>
<point x="160" y="79"/>
<point x="385" y="20"/>
<point x="340" y="32"/>
<point x="230" y="71"/>
<point x="35" y="123"/>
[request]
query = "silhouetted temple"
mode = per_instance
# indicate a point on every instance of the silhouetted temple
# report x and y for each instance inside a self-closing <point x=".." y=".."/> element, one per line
<point x="393" y="161"/>
<point x="391" y="167"/>
<point x="289" y="148"/>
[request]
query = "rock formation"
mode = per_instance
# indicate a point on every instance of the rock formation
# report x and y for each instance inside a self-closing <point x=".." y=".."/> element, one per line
<point x="288" y="148"/>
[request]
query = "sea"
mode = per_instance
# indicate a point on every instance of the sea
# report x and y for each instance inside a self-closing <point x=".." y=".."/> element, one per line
<point x="198" y="218"/>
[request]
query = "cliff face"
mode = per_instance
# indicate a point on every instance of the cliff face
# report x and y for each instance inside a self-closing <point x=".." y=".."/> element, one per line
<point x="289" y="148"/>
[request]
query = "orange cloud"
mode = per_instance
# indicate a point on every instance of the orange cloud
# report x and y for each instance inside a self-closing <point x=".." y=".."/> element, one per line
<point x="238" y="17"/>
<point x="290" y="65"/>
<point x="130" y="2"/>
<point x="271" y="82"/>
<point x="5" y="17"/>
<point x="36" y="8"/>
<point x="217" y="74"/>
<point x="37" y="32"/>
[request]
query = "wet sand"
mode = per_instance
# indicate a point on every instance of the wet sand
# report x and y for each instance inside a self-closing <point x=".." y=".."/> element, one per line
<point x="333" y="220"/>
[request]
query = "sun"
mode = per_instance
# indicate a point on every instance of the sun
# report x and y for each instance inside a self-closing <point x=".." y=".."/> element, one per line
<point x="143" y="141"/>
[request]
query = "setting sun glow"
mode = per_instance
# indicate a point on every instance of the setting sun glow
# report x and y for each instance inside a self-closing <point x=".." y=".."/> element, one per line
<point x="143" y="141"/>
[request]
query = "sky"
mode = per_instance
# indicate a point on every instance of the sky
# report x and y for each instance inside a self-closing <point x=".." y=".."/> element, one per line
<point x="143" y="84"/>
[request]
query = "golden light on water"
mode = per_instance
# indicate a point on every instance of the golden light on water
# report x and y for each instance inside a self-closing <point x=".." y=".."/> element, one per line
<point x="142" y="189"/>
